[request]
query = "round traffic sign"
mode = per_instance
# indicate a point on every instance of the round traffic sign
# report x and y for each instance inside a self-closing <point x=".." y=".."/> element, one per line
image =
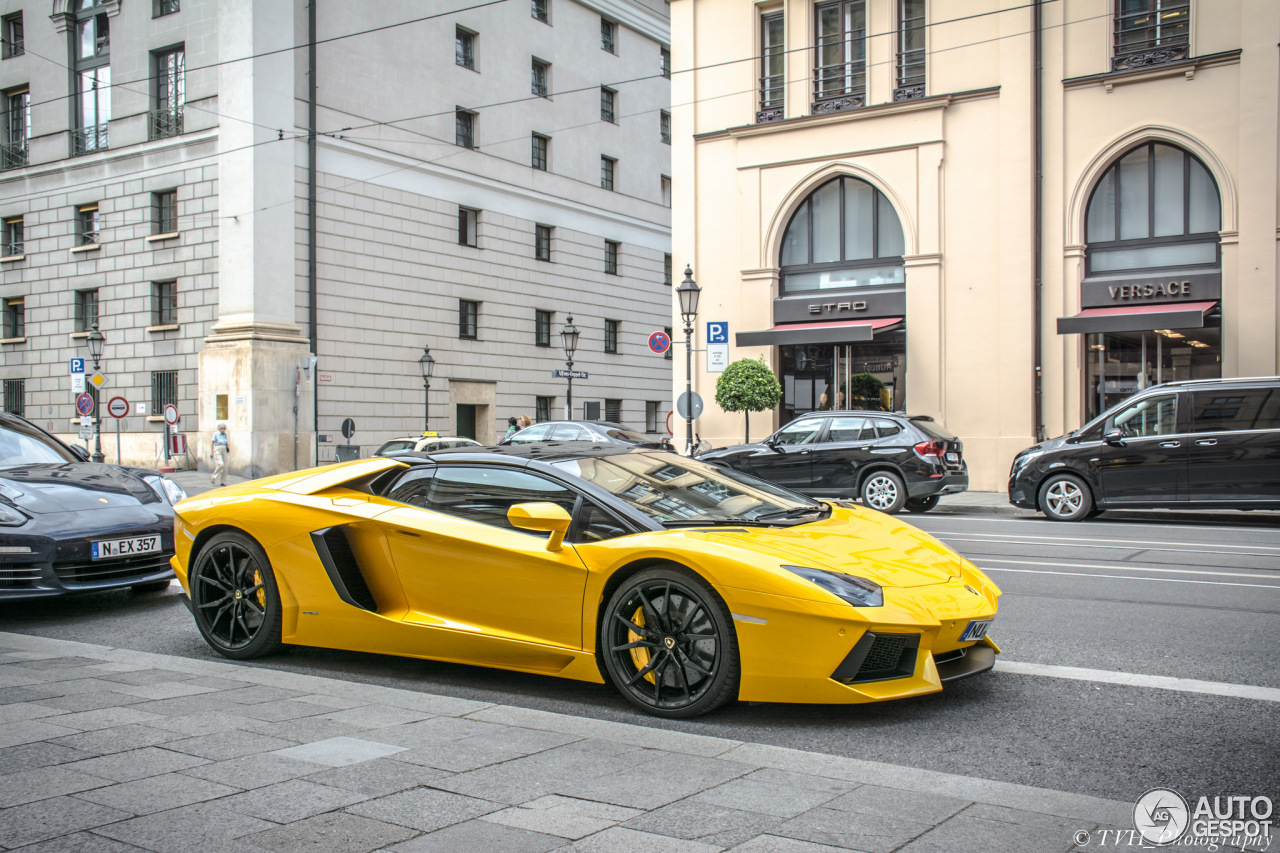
<point x="84" y="404"/>
<point x="348" y="428"/>
<point x="118" y="407"/>
<point x="659" y="342"/>
<point x="687" y="409"/>
<point x="170" y="414"/>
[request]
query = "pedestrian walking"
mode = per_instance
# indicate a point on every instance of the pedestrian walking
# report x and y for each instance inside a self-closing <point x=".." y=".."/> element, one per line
<point x="513" y="427"/>
<point x="218" y="453"/>
<point x="525" y="421"/>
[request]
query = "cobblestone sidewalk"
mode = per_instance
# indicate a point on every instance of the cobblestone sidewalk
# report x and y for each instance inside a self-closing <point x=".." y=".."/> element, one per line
<point x="106" y="749"/>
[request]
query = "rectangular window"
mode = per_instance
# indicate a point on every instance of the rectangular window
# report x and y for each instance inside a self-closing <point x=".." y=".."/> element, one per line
<point x="15" y="319"/>
<point x="608" y="166"/>
<point x="164" y="212"/>
<point x="911" y="53"/>
<point x="664" y="187"/>
<point x="608" y="35"/>
<point x="664" y="62"/>
<point x="467" y="219"/>
<point x="17" y="128"/>
<point x="164" y="390"/>
<point x="611" y="257"/>
<point x="840" y="73"/>
<point x="15" y="395"/>
<point x="608" y="104"/>
<point x="540" y="75"/>
<point x="540" y="145"/>
<point x="87" y="221"/>
<point x="14" y="244"/>
<point x="91" y="63"/>
<point x="667" y="354"/>
<point x="666" y="272"/>
<point x="664" y="126"/>
<point x="773" y="58"/>
<point x="11" y="32"/>
<point x="610" y="335"/>
<point x="542" y="408"/>
<point x="1145" y="25"/>
<point x="164" y="303"/>
<point x="539" y="11"/>
<point x="542" y="242"/>
<point x="468" y="319"/>
<point x="542" y="328"/>
<point x="1243" y="409"/>
<point x="465" y="128"/>
<point x="164" y="7"/>
<point x="86" y="310"/>
<point x="613" y="411"/>
<point x="464" y="48"/>
<point x="170" y="77"/>
<point x="651" y="415"/>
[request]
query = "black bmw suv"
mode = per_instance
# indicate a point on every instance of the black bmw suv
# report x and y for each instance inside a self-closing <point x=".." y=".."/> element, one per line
<point x="1207" y="444"/>
<point x="889" y="460"/>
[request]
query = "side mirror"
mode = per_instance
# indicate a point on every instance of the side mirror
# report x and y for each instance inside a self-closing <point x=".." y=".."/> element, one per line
<point x="1114" y="437"/>
<point x="80" y="452"/>
<point x="772" y="444"/>
<point x="543" y="516"/>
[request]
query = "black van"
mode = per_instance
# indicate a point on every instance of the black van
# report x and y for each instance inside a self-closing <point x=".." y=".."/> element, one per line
<point x="1206" y="444"/>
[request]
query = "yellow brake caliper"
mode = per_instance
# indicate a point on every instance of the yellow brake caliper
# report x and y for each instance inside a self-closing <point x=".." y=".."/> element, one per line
<point x="639" y="655"/>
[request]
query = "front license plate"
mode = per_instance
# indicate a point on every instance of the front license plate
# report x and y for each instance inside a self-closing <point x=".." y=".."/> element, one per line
<point x="953" y="457"/>
<point x="976" y="630"/>
<point x="125" y="547"/>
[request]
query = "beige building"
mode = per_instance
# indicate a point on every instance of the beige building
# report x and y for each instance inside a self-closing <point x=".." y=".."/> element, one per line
<point x="855" y="189"/>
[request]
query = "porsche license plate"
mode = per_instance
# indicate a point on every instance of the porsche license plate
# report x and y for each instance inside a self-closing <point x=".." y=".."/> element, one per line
<point x="953" y="457"/>
<point x="125" y="547"/>
<point x="976" y="630"/>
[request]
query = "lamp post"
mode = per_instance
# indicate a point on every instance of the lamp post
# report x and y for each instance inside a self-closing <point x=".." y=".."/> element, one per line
<point x="688" y="291"/>
<point x="96" y="342"/>
<point x="569" y="337"/>
<point x="426" y="364"/>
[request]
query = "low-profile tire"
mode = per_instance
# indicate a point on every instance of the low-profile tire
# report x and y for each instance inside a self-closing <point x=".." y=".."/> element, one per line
<point x="1065" y="497"/>
<point x="668" y="644"/>
<point x="922" y="504"/>
<point x="234" y="597"/>
<point x="150" y="587"/>
<point x="884" y="491"/>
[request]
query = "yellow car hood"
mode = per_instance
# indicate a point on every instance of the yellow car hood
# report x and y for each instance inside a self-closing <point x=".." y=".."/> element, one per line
<point x="857" y="542"/>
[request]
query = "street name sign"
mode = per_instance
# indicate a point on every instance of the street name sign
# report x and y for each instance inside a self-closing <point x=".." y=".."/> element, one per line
<point x="569" y="374"/>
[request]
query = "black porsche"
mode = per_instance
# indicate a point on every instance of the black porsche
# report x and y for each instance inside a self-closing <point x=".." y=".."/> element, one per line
<point x="68" y="525"/>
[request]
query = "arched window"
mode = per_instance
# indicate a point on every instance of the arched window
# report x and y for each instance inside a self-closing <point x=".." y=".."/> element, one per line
<point x="845" y="234"/>
<point x="1157" y="206"/>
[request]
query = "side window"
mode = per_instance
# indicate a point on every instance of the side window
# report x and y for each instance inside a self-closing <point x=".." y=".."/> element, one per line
<point x="485" y="494"/>
<point x="596" y="525"/>
<point x="800" y="432"/>
<point x="1218" y="411"/>
<point x="887" y="428"/>
<point x="413" y="488"/>
<point x="849" y="429"/>
<point x="1150" y="417"/>
<point x="570" y="432"/>
<point x="537" y="432"/>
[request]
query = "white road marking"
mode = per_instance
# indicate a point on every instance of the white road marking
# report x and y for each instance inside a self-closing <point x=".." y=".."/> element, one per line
<point x="1122" y="546"/>
<point x="1112" y="542"/>
<point x="1128" y="568"/>
<point x="1130" y="679"/>
<point x="1128" y="577"/>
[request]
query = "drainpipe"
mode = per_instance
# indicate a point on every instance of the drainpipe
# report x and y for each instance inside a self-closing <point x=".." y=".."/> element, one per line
<point x="1037" y="218"/>
<point x="312" y="281"/>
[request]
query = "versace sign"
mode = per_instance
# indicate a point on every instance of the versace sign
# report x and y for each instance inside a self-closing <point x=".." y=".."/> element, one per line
<point x="1172" y="287"/>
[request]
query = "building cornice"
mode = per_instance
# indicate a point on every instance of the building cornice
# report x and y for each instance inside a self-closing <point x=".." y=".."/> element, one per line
<point x="1186" y="68"/>
<point x="936" y="102"/>
<point x="110" y="156"/>
<point x="634" y="16"/>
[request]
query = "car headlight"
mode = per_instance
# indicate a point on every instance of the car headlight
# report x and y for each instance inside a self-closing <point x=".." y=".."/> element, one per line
<point x="859" y="592"/>
<point x="167" y="489"/>
<point x="10" y="516"/>
<point x="1025" y="459"/>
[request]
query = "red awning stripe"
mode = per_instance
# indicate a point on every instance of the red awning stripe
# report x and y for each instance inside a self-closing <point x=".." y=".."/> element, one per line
<point x="1127" y="310"/>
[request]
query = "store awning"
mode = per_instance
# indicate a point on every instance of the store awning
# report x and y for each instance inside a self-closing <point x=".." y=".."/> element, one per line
<point x="1137" y="318"/>
<point x="832" y="332"/>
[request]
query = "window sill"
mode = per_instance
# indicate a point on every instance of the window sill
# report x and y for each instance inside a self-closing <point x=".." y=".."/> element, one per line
<point x="13" y="340"/>
<point x="79" y="336"/>
<point x="155" y="238"/>
<point x="170" y="327"/>
<point x="9" y="258"/>
<point x="155" y="419"/>
<point x="88" y="247"/>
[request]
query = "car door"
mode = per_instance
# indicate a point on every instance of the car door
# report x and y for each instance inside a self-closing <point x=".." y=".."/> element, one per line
<point x="1234" y="452"/>
<point x="464" y="567"/>
<point x="844" y="449"/>
<point x="786" y="457"/>
<point x="1147" y="464"/>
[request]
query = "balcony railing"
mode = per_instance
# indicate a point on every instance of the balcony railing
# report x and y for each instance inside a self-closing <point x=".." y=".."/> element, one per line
<point x="13" y="155"/>
<point x="88" y="140"/>
<point x="165" y="122"/>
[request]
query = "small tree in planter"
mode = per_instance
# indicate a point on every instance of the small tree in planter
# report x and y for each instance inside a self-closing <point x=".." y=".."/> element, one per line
<point x="864" y="392"/>
<point x="748" y="385"/>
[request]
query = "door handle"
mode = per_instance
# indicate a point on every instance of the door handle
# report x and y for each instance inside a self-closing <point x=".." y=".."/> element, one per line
<point x="1171" y="444"/>
<point x="1206" y="442"/>
<point x="803" y="452"/>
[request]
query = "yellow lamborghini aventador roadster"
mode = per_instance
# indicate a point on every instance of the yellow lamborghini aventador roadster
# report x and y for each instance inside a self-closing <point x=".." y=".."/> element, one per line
<point x="681" y="583"/>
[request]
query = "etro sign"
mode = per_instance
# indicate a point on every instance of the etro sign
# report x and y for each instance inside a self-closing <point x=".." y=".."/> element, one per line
<point x="1199" y="286"/>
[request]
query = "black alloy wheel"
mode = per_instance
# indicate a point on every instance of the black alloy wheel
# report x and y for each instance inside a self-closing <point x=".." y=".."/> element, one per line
<point x="1065" y="497"/>
<point x="922" y="504"/>
<point x="884" y="491"/>
<point x="234" y="597"/>
<point x="668" y="644"/>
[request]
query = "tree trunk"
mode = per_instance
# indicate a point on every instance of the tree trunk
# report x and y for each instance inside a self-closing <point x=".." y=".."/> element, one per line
<point x="748" y="441"/>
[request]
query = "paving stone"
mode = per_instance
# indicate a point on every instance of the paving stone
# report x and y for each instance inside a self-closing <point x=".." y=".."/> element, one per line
<point x="149" y="676"/>
<point x="563" y="816"/>
<point x="252" y="771"/>
<point x="286" y="802"/>
<point x="17" y="712"/>
<point x="221" y="746"/>
<point x="987" y="811"/>
<point x="201" y="724"/>
<point x="203" y="826"/>
<point x="523" y="779"/>
<point x="81" y="842"/>
<point x="45" y="819"/>
<point x="136" y="764"/>
<point x="117" y="739"/>
<point x="869" y="833"/>
<point x="217" y="683"/>
<point x="801" y="780"/>
<point x="336" y="832"/>
<point x="280" y="709"/>
<point x="962" y="834"/>
<point x="258" y="693"/>
<point x="375" y="716"/>
<point x="46" y="663"/>
<point x="764" y="797"/>
<point x="478" y="835"/>
<point x="28" y="693"/>
<point x="29" y="756"/>
<point x="164" y="690"/>
<point x="339" y="751"/>
<point x="301" y="730"/>
<point x="663" y="778"/>
<point x="705" y="822"/>
<point x="378" y="777"/>
<point x="30" y="731"/>
<point x="90" y="701"/>
<point x="42" y="783"/>
<point x="473" y="752"/>
<point x="778" y="844"/>
<point x="157" y="793"/>
<point x="618" y="838"/>
<point x="426" y="809"/>
<point x="431" y="731"/>
<point x="187" y="705"/>
<point x="340" y="703"/>
<point x="894" y="802"/>
<point x="104" y="718"/>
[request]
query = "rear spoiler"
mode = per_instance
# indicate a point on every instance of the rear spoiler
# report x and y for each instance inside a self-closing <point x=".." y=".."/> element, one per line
<point x="321" y="479"/>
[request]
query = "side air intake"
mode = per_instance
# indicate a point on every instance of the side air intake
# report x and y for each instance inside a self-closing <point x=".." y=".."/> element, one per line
<point x="340" y="564"/>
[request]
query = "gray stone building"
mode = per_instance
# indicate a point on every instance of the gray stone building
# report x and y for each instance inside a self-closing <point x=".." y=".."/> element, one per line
<point x="479" y="171"/>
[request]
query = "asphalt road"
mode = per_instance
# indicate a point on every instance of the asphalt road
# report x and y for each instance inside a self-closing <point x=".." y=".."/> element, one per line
<point x="1197" y="599"/>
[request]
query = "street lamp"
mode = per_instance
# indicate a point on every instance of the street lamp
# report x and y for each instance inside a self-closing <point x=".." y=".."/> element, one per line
<point x="569" y="337"/>
<point x="688" y="291"/>
<point x="426" y="364"/>
<point x="97" y="341"/>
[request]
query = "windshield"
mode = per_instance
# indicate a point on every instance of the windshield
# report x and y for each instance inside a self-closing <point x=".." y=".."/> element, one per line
<point x="21" y="444"/>
<point x="677" y="491"/>
<point x="620" y="434"/>
<point x="394" y="447"/>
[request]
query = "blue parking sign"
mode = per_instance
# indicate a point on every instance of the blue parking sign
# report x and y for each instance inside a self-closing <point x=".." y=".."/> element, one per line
<point x="77" y="365"/>
<point x="717" y="332"/>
